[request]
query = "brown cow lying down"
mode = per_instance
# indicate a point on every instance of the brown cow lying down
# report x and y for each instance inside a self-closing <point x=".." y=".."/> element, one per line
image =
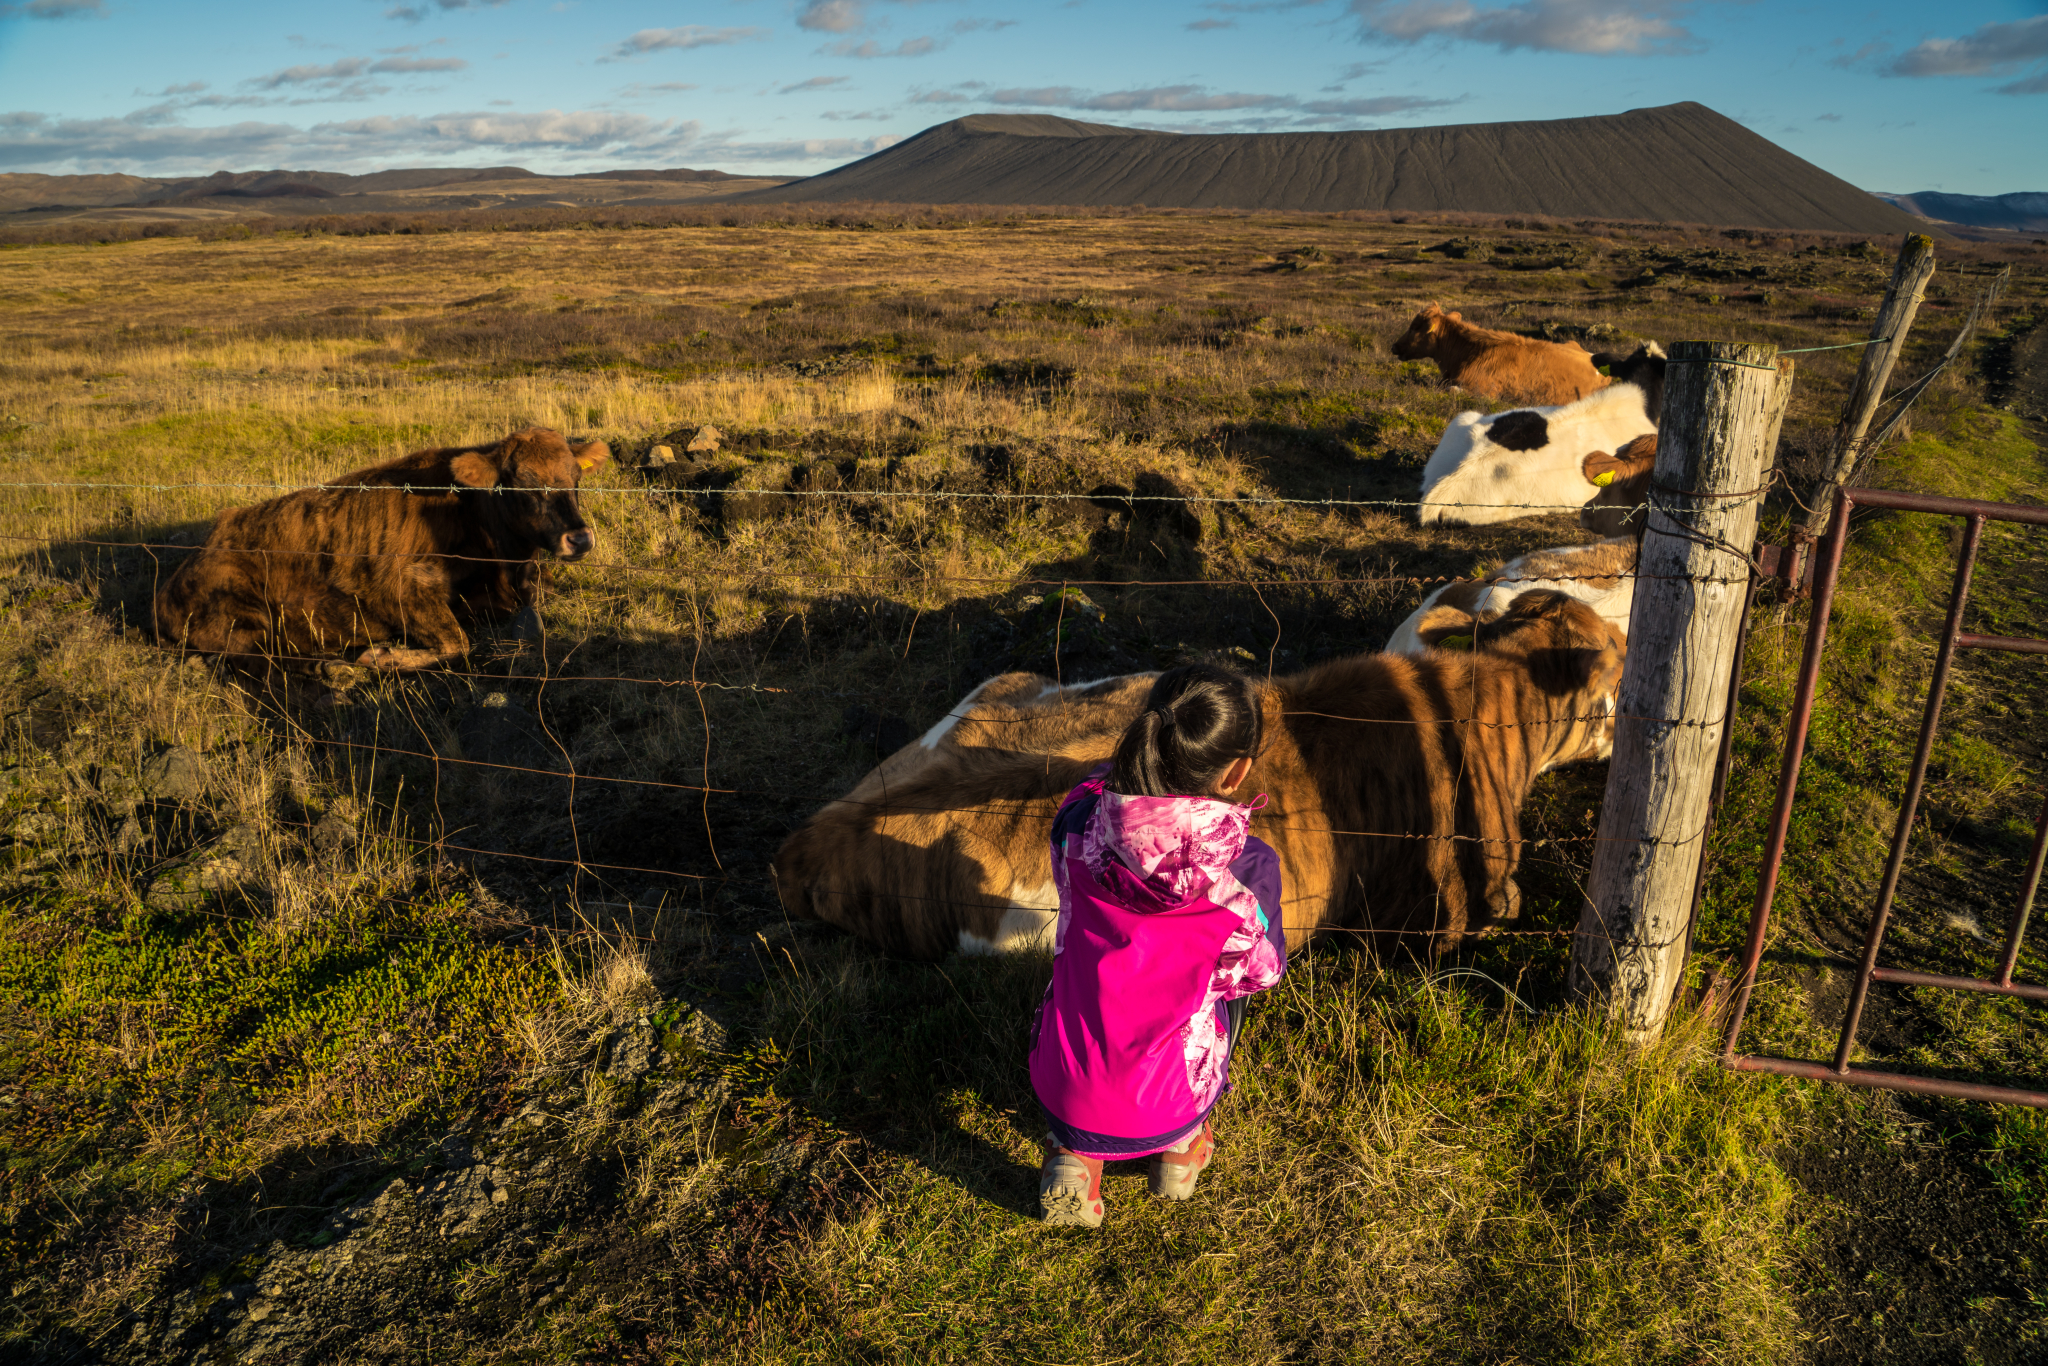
<point x="366" y="563"/>
<point x="1395" y="789"/>
<point x="1499" y="364"/>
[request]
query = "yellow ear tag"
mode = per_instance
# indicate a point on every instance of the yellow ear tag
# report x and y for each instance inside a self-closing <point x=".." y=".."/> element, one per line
<point x="1455" y="643"/>
<point x="1603" y="479"/>
<point x="584" y="462"/>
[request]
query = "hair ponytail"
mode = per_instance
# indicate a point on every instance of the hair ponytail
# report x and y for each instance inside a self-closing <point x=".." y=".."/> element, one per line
<point x="1197" y="721"/>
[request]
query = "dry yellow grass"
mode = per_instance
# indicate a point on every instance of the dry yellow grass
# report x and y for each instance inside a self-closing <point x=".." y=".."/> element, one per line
<point x="184" y="376"/>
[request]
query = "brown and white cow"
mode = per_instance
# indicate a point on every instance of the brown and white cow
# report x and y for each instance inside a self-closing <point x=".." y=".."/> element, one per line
<point x="389" y="560"/>
<point x="1499" y="364"/>
<point x="1623" y="480"/>
<point x="1395" y="787"/>
<point x="1601" y="574"/>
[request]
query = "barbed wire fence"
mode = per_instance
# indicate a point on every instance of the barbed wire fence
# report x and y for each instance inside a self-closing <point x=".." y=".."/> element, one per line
<point x="579" y="779"/>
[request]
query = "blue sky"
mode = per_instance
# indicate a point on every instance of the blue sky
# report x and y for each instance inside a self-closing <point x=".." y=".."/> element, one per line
<point x="1888" y="95"/>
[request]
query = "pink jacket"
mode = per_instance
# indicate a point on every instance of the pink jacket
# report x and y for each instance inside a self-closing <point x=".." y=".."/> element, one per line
<point x="1168" y="908"/>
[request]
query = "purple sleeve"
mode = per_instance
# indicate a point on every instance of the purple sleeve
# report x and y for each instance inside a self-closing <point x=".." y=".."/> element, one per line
<point x="1258" y="868"/>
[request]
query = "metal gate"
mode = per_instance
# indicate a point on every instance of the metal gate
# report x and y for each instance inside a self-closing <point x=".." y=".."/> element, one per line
<point x="1827" y="570"/>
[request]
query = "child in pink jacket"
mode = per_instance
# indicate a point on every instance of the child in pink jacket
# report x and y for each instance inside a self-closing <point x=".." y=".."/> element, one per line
<point x="1169" y="916"/>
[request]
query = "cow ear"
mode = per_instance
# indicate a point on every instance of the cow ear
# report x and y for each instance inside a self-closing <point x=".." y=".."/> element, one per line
<point x="590" y="454"/>
<point x="1600" y="468"/>
<point x="1563" y="670"/>
<point x="1455" y="316"/>
<point x="1453" y="628"/>
<point x="475" y="469"/>
<point x="1638" y="456"/>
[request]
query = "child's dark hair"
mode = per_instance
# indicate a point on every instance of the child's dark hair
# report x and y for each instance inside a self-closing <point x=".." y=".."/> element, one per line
<point x="1197" y="720"/>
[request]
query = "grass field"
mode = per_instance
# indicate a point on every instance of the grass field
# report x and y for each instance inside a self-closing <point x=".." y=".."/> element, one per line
<point x="315" y="1045"/>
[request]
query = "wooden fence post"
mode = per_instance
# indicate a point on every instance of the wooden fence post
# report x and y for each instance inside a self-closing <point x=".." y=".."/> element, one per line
<point x="1722" y="401"/>
<point x="1910" y="274"/>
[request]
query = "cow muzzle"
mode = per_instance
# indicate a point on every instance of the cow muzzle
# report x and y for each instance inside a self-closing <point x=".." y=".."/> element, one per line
<point x="574" y="545"/>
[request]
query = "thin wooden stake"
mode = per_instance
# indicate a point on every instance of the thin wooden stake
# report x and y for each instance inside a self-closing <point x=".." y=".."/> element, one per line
<point x="1910" y="274"/>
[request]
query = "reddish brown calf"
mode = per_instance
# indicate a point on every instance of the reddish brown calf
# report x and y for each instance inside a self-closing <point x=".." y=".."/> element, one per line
<point x="1499" y="364"/>
<point x="390" y="560"/>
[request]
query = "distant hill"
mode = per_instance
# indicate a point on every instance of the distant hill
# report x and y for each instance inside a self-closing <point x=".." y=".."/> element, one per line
<point x="42" y="198"/>
<point x="2023" y="212"/>
<point x="1680" y="163"/>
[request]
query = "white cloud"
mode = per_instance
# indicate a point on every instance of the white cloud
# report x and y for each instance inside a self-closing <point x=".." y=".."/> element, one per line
<point x="2032" y="85"/>
<point x="1181" y="98"/>
<point x="1858" y="57"/>
<point x="1992" y="50"/>
<point x="1204" y="25"/>
<point x="412" y="14"/>
<point x="856" y="116"/>
<point x="1377" y="107"/>
<point x="832" y="16"/>
<point x="1599" y="27"/>
<point x="1192" y="99"/>
<point x="979" y="25"/>
<point x="909" y="47"/>
<point x="638" y="91"/>
<point x="350" y="68"/>
<point x="567" y="140"/>
<point x="814" y="83"/>
<point x="56" y="9"/>
<point x="807" y="149"/>
<point x="682" y="39"/>
<point x="940" y="97"/>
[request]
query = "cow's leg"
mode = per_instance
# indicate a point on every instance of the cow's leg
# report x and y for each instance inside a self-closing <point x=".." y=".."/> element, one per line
<point x="436" y="638"/>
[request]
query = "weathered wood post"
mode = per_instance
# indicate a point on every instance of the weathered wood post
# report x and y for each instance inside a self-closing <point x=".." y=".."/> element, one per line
<point x="1722" y="402"/>
<point x="1910" y="274"/>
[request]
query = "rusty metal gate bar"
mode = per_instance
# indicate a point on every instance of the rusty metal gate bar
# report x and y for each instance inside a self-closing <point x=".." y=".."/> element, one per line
<point x="1953" y="638"/>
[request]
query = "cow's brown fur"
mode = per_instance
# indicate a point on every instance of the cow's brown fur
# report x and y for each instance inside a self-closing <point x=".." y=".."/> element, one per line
<point x="366" y="562"/>
<point x="1499" y="364"/>
<point x="1395" y="787"/>
<point x="1617" y="508"/>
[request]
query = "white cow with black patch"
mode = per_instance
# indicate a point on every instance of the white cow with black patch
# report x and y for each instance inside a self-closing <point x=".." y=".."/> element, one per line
<point x="1528" y="461"/>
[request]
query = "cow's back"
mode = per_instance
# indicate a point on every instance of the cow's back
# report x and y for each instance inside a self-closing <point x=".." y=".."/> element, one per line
<point x="325" y="568"/>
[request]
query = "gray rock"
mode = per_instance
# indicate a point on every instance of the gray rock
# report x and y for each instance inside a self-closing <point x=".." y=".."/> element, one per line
<point x="497" y="730"/>
<point x="34" y="827"/>
<point x="706" y="439"/>
<point x="659" y="456"/>
<point x="242" y="844"/>
<point x="332" y="833"/>
<point x="120" y="791"/>
<point x="629" y="1052"/>
<point x="174" y="775"/>
<point x="195" y="883"/>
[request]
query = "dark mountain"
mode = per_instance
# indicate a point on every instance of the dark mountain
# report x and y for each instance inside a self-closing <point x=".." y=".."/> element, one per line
<point x="2022" y="212"/>
<point x="679" y="174"/>
<point x="268" y="184"/>
<point x="1680" y="163"/>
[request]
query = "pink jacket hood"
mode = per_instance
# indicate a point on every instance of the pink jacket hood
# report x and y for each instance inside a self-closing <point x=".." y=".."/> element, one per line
<point x="1175" y="848"/>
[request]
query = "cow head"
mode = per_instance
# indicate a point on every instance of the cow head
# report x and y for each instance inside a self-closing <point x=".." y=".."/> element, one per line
<point x="1623" y="483"/>
<point x="1642" y="367"/>
<point x="1420" y="338"/>
<point x="534" y="474"/>
<point x="1569" y="653"/>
